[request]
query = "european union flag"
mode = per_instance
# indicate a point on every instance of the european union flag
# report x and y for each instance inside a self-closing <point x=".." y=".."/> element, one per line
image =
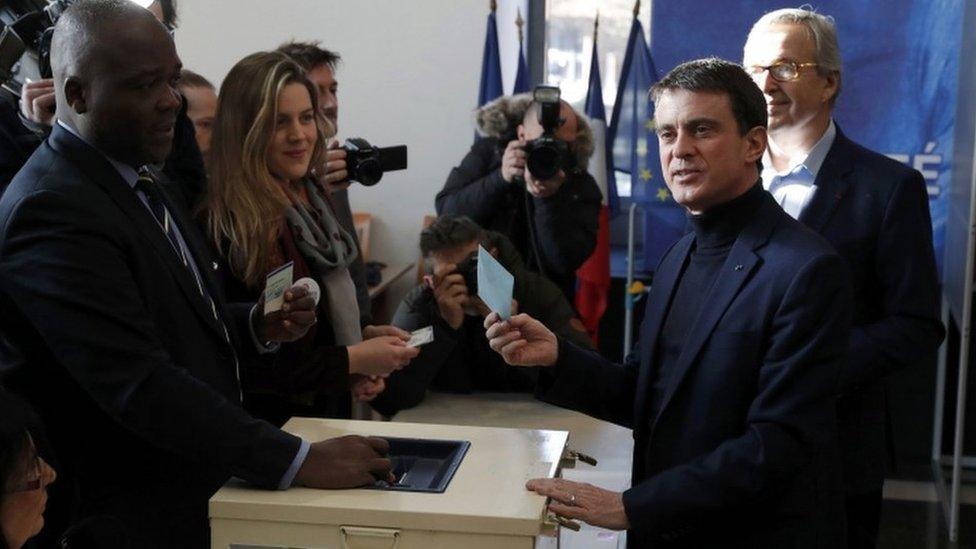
<point x="491" y="65"/>
<point x="635" y="150"/>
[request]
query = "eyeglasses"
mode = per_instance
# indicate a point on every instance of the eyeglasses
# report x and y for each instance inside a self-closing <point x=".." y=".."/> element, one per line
<point x="783" y="71"/>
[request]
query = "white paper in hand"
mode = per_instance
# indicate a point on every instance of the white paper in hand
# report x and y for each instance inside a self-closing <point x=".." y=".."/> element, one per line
<point x="421" y="336"/>
<point x="278" y="282"/>
<point x="495" y="284"/>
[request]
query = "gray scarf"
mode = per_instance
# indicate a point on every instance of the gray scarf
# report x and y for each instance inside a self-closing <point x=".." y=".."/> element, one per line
<point x="329" y="250"/>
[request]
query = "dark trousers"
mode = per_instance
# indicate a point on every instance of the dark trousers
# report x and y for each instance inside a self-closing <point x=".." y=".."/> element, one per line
<point x="863" y="518"/>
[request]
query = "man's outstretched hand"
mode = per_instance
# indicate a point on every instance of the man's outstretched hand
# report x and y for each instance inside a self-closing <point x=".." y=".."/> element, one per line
<point x="521" y="340"/>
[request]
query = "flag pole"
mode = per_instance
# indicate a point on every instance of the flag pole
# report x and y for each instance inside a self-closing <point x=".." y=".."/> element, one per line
<point x="518" y="23"/>
<point x="629" y="296"/>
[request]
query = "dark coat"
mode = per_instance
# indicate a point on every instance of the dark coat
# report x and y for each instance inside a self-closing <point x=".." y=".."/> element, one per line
<point x="16" y="141"/>
<point x="308" y="377"/>
<point x="554" y="235"/>
<point x="119" y="353"/>
<point x="875" y="213"/>
<point x="742" y="452"/>
<point x="460" y="361"/>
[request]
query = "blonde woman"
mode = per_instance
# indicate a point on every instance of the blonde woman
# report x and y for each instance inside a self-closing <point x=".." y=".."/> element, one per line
<point x="262" y="211"/>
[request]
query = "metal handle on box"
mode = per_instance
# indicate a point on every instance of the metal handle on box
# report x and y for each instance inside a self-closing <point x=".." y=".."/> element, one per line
<point x="352" y="532"/>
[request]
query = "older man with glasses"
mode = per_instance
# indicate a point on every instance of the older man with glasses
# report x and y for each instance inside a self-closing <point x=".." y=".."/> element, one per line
<point x="874" y="211"/>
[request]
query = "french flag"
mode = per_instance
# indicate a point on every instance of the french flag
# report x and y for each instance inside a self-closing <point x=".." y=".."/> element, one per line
<point x="594" y="275"/>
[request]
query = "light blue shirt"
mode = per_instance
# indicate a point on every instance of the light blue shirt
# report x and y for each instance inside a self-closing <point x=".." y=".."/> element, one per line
<point x="794" y="187"/>
<point x="131" y="177"/>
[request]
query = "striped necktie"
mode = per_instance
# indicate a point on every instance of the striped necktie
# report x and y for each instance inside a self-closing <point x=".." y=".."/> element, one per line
<point x="148" y="186"/>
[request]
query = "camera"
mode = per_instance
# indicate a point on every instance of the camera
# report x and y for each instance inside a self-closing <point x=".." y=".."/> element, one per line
<point x="25" y="40"/>
<point x="468" y="269"/>
<point x="547" y="154"/>
<point x="367" y="164"/>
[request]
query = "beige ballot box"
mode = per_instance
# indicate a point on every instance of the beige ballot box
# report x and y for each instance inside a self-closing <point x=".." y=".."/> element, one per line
<point x="485" y="505"/>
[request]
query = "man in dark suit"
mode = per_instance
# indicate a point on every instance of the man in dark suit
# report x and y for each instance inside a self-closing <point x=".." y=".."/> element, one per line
<point x="875" y="213"/>
<point x="112" y="320"/>
<point x="730" y="390"/>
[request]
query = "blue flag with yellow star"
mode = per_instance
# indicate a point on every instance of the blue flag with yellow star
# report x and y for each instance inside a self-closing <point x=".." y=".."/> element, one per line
<point x="635" y="151"/>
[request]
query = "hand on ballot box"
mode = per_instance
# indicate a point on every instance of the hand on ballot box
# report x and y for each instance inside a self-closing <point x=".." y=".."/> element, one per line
<point x="583" y="501"/>
<point x="291" y="322"/>
<point x="521" y="340"/>
<point x="346" y="462"/>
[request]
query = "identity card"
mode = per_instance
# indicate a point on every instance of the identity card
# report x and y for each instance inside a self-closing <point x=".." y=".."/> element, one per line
<point x="278" y="282"/>
<point x="421" y="336"/>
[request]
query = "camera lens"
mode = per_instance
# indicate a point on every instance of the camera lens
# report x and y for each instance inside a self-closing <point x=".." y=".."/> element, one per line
<point x="368" y="172"/>
<point x="543" y="161"/>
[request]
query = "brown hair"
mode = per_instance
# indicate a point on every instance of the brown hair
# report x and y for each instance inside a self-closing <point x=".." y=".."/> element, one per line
<point x="190" y="79"/>
<point x="310" y="54"/>
<point x="245" y="206"/>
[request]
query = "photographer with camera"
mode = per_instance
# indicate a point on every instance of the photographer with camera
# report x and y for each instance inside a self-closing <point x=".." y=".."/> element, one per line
<point x="545" y="203"/>
<point x="458" y="359"/>
<point x="183" y="167"/>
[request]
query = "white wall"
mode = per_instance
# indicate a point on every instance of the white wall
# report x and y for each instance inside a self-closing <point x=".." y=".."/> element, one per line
<point x="409" y="75"/>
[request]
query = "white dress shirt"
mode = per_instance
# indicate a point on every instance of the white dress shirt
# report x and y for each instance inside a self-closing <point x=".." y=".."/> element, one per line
<point x="794" y="187"/>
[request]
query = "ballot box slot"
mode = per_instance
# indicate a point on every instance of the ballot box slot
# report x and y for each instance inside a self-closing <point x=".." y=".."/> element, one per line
<point x="422" y="465"/>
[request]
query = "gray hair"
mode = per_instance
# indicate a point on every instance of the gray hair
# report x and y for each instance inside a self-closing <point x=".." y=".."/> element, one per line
<point x="821" y="28"/>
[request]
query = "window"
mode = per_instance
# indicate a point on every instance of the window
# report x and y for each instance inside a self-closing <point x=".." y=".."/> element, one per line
<point x="569" y="44"/>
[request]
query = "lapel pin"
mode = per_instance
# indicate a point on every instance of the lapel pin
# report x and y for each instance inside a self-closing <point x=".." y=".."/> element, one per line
<point x="738" y="267"/>
<point x="215" y="265"/>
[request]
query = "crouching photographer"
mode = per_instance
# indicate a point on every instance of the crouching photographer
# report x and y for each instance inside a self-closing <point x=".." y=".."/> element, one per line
<point x="458" y="358"/>
<point x="526" y="178"/>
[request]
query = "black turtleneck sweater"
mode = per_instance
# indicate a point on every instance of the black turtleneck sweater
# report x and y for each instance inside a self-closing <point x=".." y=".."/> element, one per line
<point x="715" y="233"/>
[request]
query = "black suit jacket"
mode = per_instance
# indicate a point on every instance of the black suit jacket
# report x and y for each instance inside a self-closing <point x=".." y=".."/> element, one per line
<point x="742" y="451"/>
<point x="116" y="348"/>
<point x="875" y="213"/>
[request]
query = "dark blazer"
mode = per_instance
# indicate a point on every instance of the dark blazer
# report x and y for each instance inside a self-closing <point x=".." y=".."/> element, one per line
<point x="875" y="213"/>
<point x="740" y="452"/>
<point x="16" y="141"/>
<point x="120" y="354"/>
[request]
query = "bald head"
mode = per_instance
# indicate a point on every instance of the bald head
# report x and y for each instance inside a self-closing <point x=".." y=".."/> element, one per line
<point x="84" y="28"/>
<point x="115" y="73"/>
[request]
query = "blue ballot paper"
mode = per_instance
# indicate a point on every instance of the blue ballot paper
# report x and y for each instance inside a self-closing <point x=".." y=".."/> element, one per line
<point x="495" y="284"/>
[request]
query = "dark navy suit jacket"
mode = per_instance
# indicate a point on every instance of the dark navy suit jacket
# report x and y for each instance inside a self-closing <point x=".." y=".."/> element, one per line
<point x="740" y="452"/>
<point x="114" y="345"/>
<point x="875" y="213"/>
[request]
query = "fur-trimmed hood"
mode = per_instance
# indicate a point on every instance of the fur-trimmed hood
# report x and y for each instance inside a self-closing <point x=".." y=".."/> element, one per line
<point x="500" y="118"/>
